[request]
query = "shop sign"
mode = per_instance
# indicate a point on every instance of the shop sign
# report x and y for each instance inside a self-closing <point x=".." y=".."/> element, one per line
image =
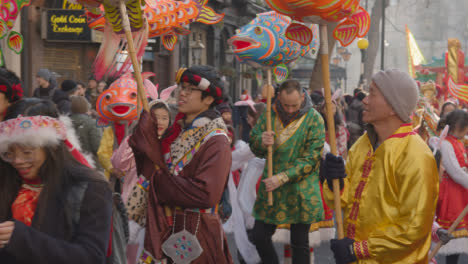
<point x="66" y="4"/>
<point x="66" y="25"/>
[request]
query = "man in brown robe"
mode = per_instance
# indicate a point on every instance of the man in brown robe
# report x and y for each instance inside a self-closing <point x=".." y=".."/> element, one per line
<point x="187" y="169"/>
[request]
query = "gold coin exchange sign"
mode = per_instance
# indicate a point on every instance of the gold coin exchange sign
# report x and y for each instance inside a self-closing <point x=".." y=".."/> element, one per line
<point x="67" y="25"/>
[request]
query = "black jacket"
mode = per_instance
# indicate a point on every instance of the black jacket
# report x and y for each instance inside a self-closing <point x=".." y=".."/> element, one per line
<point x="45" y="93"/>
<point x="62" y="101"/>
<point x="87" y="243"/>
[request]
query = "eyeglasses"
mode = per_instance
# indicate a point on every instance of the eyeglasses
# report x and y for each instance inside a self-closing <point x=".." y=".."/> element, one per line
<point x="26" y="155"/>
<point x="188" y="89"/>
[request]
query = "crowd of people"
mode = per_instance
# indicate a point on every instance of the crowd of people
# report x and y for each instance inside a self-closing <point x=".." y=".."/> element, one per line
<point x="165" y="185"/>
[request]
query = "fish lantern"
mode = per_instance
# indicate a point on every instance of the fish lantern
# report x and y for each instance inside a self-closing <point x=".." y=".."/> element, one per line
<point x="167" y="19"/>
<point x="354" y="21"/>
<point x="119" y="102"/>
<point x="262" y="43"/>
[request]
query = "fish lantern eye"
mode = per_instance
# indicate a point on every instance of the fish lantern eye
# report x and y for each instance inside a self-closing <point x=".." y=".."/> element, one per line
<point x="108" y="97"/>
<point x="258" y="30"/>
<point x="133" y="95"/>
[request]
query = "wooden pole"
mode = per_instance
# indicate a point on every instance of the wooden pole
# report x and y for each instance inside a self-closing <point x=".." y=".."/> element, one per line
<point x="330" y="122"/>
<point x="270" y="148"/>
<point x="132" y="53"/>
<point x="450" y="230"/>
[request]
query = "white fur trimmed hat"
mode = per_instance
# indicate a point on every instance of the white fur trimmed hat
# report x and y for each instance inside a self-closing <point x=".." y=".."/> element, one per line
<point x="36" y="131"/>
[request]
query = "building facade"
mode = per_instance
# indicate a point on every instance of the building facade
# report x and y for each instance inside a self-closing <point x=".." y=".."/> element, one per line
<point x="56" y="37"/>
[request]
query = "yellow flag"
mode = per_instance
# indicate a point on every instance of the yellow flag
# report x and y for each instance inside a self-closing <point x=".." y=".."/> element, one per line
<point x="415" y="56"/>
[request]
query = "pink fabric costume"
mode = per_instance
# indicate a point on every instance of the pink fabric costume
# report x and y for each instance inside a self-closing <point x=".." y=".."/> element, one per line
<point x="124" y="160"/>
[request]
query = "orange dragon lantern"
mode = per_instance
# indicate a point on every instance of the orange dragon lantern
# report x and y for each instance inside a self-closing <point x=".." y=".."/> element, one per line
<point x="354" y="21"/>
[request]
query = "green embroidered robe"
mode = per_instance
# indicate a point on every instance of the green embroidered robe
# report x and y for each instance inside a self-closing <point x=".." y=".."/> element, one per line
<point x="296" y="153"/>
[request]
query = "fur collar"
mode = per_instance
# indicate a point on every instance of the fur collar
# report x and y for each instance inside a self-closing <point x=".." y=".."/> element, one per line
<point x="192" y="138"/>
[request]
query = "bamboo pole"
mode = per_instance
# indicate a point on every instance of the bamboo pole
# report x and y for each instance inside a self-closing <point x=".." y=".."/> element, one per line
<point x="450" y="230"/>
<point x="270" y="148"/>
<point x="132" y="53"/>
<point x="330" y="122"/>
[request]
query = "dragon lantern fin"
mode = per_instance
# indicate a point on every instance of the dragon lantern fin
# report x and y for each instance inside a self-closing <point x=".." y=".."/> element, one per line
<point x="207" y="15"/>
<point x="169" y="41"/>
<point x="299" y="33"/>
<point x="346" y="32"/>
<point x="362" y="19"/>
<point x="281" y="73"/>
<point x="181" y="31"/>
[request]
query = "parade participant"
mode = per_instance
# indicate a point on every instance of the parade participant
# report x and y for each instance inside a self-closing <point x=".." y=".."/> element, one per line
<point x="52" y="209"/>
<point x="354" y="117"/>
<point x="61" y="96"/>
<point x="9" y="93"/>
<point x="162" y="112"/>
<point x="85" y="126"/>
<point x="226" y="112"/>
<point x="47" y="84"/>
<point x="448" y="107"/>
<point x="134" y="186"/>
<point x="453" y="196"/>
<point x="42" y="107"/>
<point x="390" y="192"/>
<point x="81" y="89"/>
<point x="342" y="134"/>
<point x="297" y="141"/>
<point x="188" y="170"/>
<point x="235" y="224"/>
<point x="91" y="91"/>
<point x="102" y="86"/>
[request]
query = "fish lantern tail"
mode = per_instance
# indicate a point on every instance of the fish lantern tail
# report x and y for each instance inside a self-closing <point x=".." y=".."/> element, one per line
<point x="111" y="60"/>
<point x="206" y="15"/>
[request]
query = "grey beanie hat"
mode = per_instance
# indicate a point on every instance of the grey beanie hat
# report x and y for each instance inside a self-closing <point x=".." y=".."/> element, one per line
<point x="45" y="74"/>
<point x="400" y="91"/>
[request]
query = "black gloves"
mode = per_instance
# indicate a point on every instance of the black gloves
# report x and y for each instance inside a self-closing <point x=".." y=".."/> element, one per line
<point x="343" y="250"/>
<point x="332" y="168"/>
<point x="444" y="236"/>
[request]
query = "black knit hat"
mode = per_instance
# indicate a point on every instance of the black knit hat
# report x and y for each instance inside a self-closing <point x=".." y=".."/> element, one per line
<point x="69" y="86"/>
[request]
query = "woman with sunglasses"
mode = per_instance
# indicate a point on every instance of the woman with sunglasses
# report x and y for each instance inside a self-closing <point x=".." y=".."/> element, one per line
<point x="52" y="208"/>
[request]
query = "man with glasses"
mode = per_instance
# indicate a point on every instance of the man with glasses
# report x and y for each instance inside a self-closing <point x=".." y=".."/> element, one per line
<point x="188" y="171"/>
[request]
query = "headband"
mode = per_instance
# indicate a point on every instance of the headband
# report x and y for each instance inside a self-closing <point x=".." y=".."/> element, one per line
<point x="185" y="75"/>
<point x="16" y="91"/>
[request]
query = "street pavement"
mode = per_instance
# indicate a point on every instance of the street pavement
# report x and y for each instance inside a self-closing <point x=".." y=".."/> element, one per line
<point x="323" y="254"/>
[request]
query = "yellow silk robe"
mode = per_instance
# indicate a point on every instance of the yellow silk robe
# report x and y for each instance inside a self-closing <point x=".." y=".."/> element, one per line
<point x="389" y="198"/>
<point x="105" y="151"/>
